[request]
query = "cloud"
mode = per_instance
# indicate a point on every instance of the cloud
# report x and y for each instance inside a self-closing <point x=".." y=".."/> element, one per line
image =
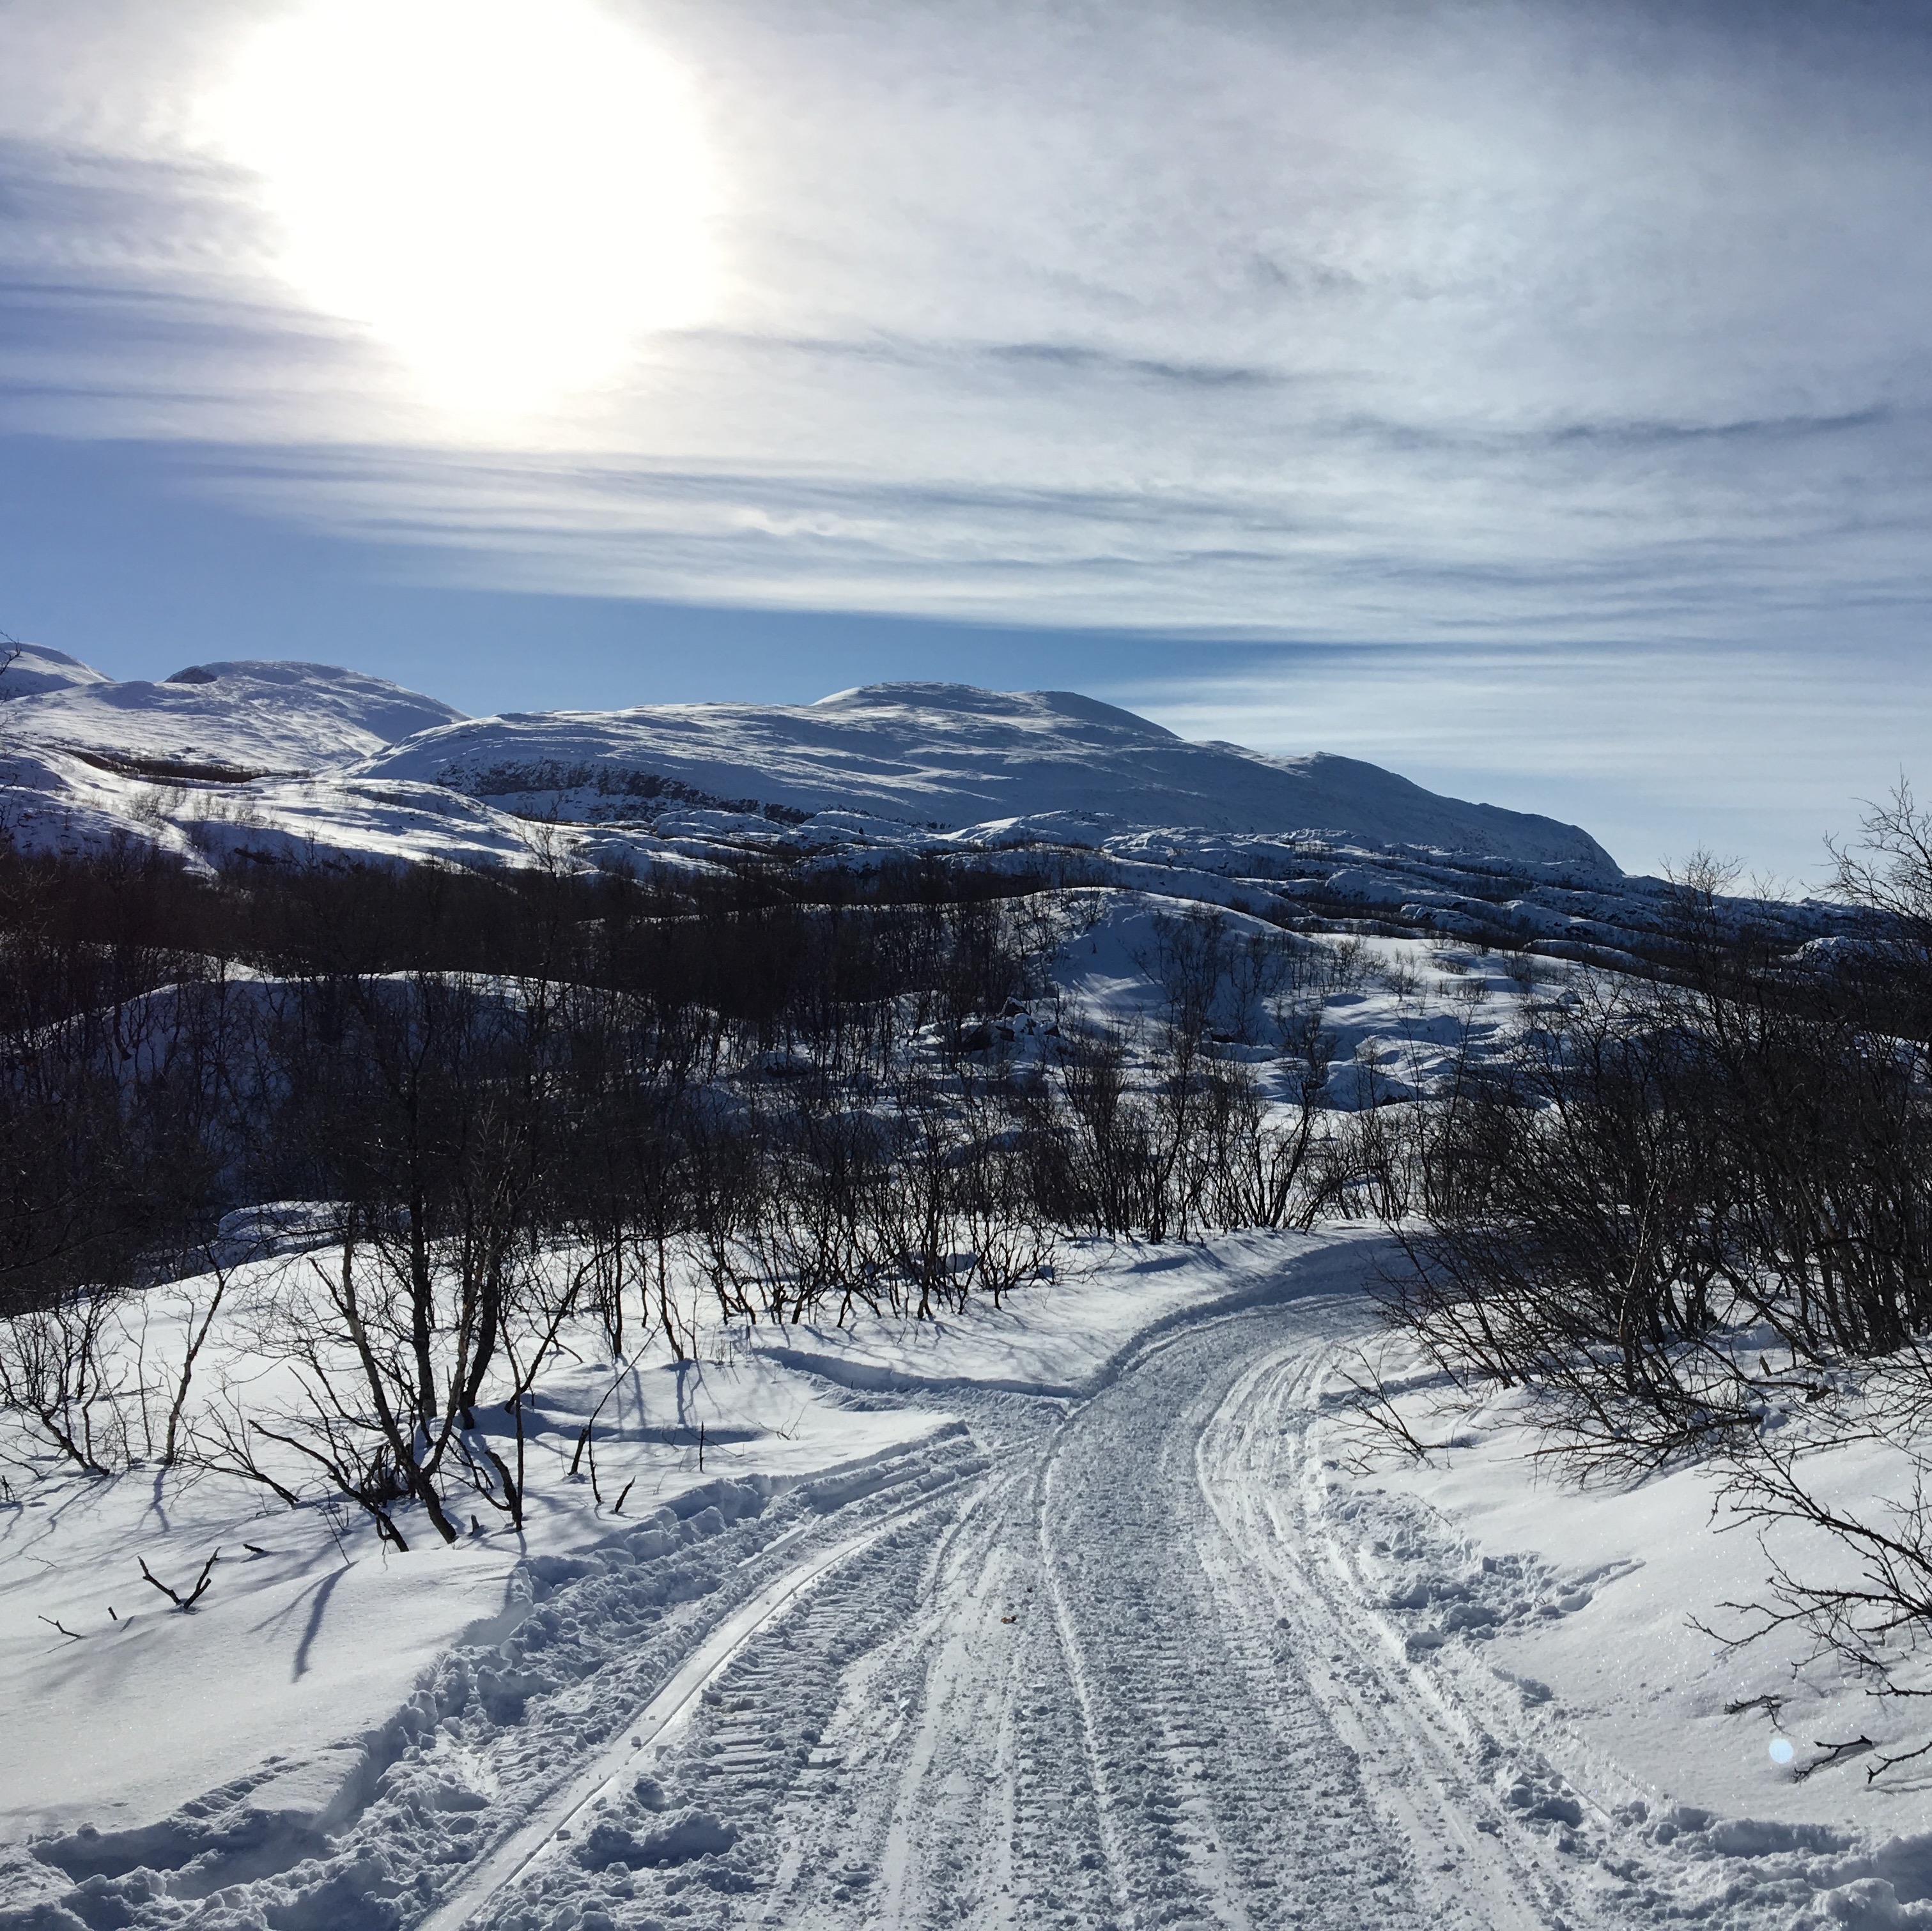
<point x="1342" y="323"/>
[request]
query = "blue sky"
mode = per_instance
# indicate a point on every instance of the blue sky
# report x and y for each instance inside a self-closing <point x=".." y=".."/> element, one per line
<point x="1534" y="399"/>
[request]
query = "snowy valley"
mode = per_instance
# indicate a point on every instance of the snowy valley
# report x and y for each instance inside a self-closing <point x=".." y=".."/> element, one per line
<point x="1046" y="1496"/>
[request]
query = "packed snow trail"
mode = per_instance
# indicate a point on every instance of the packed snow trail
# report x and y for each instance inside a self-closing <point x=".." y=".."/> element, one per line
<point x="550" y="1830"/>
<point x="1109" y="1661"/>
<point x="1137" y="1658"/>
<point x="1112" y="1682"/>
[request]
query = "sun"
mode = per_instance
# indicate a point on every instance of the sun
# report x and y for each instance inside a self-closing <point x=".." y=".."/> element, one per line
<point x="508" y="193"/>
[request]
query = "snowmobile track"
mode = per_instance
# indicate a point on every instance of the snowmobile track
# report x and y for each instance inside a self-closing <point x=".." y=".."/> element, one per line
<point x="1123" y="1680"/>
<point x="1106" y="1665"/>
<point x="545" y="1833"/>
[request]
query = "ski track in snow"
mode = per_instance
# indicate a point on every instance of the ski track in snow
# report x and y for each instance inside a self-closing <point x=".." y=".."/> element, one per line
<point x="1097" y="1663"/>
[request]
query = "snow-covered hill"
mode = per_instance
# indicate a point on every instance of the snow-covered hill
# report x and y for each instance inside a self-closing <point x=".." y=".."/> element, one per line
<point x="948" y="756"/>
<point x="249" y="718"/>
<point x="31" y="669"/>
<point x="280" y="761"/>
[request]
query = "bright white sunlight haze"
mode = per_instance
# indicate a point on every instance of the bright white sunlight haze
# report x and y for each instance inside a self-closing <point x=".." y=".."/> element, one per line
<point x="507" y="193"/>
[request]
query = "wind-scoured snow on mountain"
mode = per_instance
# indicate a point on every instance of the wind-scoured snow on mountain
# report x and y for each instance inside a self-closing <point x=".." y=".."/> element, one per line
<point x="248" y="719"/>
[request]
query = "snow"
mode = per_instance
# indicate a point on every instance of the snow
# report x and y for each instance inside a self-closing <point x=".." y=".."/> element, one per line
<point x="337" y="1630"/>
<point x="248" y="716"/>
<point x="1086" y="1608"/>
<point x="34" y="669"/>
<point x="1042" y="784"/>
<point x="951" y="755"/>
<point x="1099" y="1607"/>
<point x="1598" y="1620"/>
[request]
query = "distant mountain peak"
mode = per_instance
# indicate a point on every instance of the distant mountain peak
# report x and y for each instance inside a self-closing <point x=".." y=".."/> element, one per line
<point x="971" y="700"/>
<point x="927" y="756"/>
<point x="255" y="713"/>
<point x="953" y="756"/>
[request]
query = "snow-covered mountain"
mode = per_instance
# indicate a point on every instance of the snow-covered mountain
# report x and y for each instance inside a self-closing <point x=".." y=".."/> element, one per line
<point x="251" y="717"/>
<point x="282" y="761"/>
<point x="948" y="756"/>
<point x="32" y="670"/>
<point x="940" y="757"/>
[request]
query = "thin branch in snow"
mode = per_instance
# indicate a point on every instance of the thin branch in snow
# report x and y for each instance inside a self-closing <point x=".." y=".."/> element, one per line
<point x="1834" y="1753"/>
<point x="195" y="1594"/>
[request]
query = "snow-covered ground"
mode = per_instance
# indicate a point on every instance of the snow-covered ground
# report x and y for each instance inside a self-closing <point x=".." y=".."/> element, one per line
<point x="1084" y="1611"/>
<point x="1101" y="1608"/>
<point x="1633" y="1555"/>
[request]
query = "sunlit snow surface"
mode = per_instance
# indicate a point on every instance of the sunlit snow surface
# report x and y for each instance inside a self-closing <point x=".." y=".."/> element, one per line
<point x="1082" y="1611"/>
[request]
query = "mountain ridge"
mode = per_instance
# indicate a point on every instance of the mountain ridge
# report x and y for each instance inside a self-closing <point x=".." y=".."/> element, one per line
<point x="921" y="754"/>
<point x="255" y="761"/>
<point x="267" y="715"/>
<point x="949" y="757"/>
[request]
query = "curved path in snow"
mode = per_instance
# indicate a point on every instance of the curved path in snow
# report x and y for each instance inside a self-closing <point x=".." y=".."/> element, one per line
<point x="1122" y="1678"/>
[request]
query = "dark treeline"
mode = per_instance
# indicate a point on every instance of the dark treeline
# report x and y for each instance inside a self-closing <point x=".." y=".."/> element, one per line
<point x="814" y="1098"/>
<point x="178" y="1047"/>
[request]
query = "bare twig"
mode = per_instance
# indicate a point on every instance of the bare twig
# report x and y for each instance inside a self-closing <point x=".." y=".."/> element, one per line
<point x="195" y="1594"/>
<point x="1370" y="1399"/>
<point x="1834" y="1753"/>
<point x="1885" y="1763"/>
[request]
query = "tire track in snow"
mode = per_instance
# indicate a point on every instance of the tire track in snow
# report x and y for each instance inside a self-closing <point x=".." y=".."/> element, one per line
<point x="1235" y="1803"/>
<point x="1421" y="1757"/>
<point x="544" y="1834"/>
<point x="1103" y="1666"/>
<point x="1066" y="1698"/>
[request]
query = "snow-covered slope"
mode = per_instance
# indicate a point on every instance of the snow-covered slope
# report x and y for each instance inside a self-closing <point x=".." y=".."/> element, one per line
<point x="28" y="670"/>
<point x="950" y="755"/>
<point x="275" y="762"/>
<point x="249" y="716"/>
<point x="858" y="1661"/>
<point x="272" y="762"/>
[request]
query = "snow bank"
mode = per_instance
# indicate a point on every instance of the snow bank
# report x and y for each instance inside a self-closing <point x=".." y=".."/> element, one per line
<point x="1594" y="1614"/>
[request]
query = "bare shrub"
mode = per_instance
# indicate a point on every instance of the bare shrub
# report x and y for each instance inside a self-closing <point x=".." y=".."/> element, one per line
<point x="62" y="1373"/>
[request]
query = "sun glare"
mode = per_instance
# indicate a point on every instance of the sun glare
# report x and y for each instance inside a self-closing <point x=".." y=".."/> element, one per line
<point x="508" y="193"/>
